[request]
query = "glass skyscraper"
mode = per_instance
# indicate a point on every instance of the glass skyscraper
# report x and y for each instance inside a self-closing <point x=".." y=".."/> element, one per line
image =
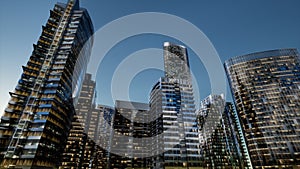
<point x="266" y="90"/>
<point x="37" y="120"/>
<point x="130" y="122"/>
<point x="172" y="106"/>
<point x="220" y="136"/>
<point x="105" y="132"/>
<point x="81" y="144"/>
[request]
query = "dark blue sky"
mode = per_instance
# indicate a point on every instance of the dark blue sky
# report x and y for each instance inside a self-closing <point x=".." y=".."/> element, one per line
<point x="233" y="27"/>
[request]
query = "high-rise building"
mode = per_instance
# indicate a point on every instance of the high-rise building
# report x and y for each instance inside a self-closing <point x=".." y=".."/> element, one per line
<point x="173" y="108"/>
<point x="232" y="124"/>
<point x="266" y="91"/>
<point x="221" y="141"/>
<point x="130" y="121"/>
<point x="80" y="147"/>
<point x="37" y="120"/>
<point x="102" y="158"/>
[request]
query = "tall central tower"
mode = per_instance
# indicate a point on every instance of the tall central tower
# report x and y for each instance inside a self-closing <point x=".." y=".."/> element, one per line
<point x="37" y="120"/>
<point x="176" y="62"/>
<point x="172" y="105"/>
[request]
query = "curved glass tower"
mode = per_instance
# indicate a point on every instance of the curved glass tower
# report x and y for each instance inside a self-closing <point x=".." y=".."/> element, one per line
<point x="266" y="90"/>
<point x="36" y="122"/>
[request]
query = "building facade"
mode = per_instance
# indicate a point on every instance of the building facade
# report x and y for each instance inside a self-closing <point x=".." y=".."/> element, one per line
<point x="232" y="124"/>
<point x="219" y="135"/>
<point x="130" y="122"/>
<point x="37" y="120"/>
<point x="266" y="89"/>
<point x="80" y="147"/>
<point x="89" y="140"/>
<point x="104" y="136"/>
<point x="172" y="107"/>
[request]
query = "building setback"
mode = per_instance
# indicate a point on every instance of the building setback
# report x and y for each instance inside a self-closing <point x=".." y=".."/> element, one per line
<point x="81" y="144"/>
<point x="266" y="91"/>
<point x="172" y="108"/>
<point x="37" y="120"/>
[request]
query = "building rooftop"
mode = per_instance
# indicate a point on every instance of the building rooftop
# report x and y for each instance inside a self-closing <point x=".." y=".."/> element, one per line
<point x="260" y="55"/>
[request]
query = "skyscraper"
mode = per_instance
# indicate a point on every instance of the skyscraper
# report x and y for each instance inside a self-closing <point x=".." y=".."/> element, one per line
<point x="105" y="131"/>
<point x="172" y="106"/>
<point x="80" y="147"/>
<point x="36" y="122"/>
<point x="130" y="122"/>
<point x="221" y="141"/>
<point x="232" y="124"/>
<point x="266" y="90"/>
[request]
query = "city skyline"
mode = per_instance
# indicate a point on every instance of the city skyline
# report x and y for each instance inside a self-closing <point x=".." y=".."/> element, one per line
<point x="231" y="34"/>
<point x="154" y="91"/>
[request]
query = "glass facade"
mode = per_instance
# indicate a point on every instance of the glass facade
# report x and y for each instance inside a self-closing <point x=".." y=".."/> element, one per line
<point x="172" y="106"/>
<point x="266" y="89"/>
<point x="81" y="145"/>
<point x="89" y="140"/>
<point x="37" y="120"/>
<point x="130" y="121"/>
<point x="219" y="135"/>
<point x="232" y="124"/>
<point x="102" y="158"/>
